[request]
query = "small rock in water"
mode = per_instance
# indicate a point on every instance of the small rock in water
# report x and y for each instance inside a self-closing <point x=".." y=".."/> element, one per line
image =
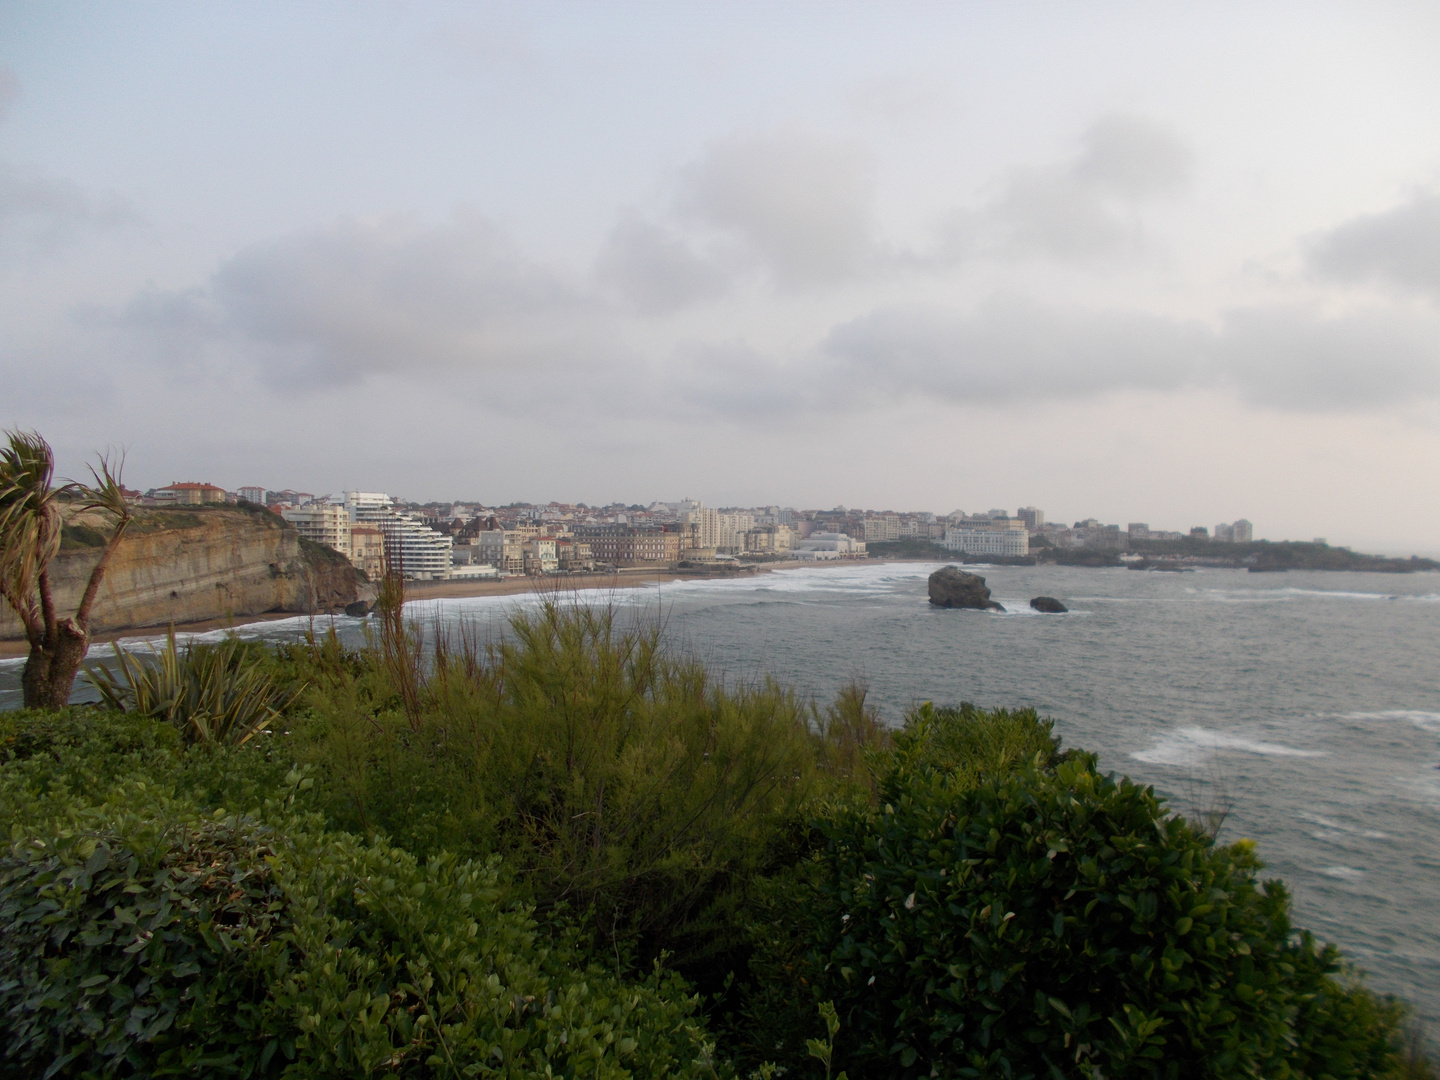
<point x="952" y="587"/>
<point x="359" y="609"/>
<point x="1049" y="605"/>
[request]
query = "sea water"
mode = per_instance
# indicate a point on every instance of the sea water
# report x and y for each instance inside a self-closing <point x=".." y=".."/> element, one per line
<point x="1304" y="706"/>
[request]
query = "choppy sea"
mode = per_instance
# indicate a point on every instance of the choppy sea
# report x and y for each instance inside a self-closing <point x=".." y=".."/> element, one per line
<point x="1306" y="705"/>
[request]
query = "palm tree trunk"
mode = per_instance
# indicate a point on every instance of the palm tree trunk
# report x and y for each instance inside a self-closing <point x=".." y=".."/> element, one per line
<point x="52" y="666"/>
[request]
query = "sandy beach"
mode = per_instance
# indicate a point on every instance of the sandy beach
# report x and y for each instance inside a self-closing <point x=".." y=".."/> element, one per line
<point x="446" y="590"/>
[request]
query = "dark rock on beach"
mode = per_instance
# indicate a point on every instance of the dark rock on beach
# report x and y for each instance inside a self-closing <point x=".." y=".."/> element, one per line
<point x="951" y="587"/>
<point x="1049" y="605"/>
<point x="359" y="609"/>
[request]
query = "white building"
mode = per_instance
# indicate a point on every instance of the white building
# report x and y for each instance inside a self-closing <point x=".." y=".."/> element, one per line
<point x="706" y="523"/>
<point x="418" y="551"/>
<point x="1003" y="542"/>
<point x="255" y="495"/>
<point x="821" y="546"/>
<point x="730" y="529"/>
<point x="325" y="523"/>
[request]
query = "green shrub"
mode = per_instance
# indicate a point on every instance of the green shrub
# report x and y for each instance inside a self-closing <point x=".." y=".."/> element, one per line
<point x="998" y="916"/>
<point x="613" y="777"/>
<point x="146" y="939"/>
<point x="119" y="963"/>
<point x="64" y="735"/>
<point x="52" y="763"/>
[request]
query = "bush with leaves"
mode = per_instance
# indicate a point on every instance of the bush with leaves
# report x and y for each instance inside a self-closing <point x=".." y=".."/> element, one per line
<point x="613" y="776"/>
<point x="1005" y="910"/>
<point x="143" y="938"/>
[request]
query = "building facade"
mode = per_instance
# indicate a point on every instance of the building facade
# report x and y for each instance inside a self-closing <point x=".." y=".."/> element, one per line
<point x="325" y="523"/>
<point x="1006" y="543"/>
<point x="188" y="494"/>
<point x="823" y="546"/>
<point x="627" y="545"/>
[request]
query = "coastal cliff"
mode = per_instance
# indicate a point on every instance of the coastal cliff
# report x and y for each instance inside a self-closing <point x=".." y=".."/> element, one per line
<point x="194" y="564"/>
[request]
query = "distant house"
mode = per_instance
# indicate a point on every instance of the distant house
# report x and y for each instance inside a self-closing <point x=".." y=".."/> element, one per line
<point x="188" y="494"/>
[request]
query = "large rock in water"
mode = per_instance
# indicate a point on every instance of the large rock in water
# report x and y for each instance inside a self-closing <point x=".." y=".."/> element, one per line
<point x="952" y="587"/>
<point x="1049" y="605"/>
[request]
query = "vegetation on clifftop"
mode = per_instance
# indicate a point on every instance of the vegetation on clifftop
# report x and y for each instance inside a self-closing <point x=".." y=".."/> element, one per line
<point x="572" y="852"/>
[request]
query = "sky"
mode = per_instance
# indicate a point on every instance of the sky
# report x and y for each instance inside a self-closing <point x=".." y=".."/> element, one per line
<point x="1168" y="263"/>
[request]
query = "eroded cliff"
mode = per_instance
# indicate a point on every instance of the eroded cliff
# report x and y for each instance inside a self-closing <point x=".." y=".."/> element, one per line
<point x="199" y="563"/>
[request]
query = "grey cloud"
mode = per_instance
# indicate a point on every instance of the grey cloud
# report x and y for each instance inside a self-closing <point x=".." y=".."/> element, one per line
<point x="655" y="271"/>
<point x="1008" y="351"/>
<point x="39" y="213"/>
<point x="332" y="306"/>
<point x="357" y="298"/>
<point x="802" y="205"/>
<point x="1133" y="158"/>
<point x="1400" y="246"/>
<point x="9" y="90"/>
<point x="1083" y="206"/>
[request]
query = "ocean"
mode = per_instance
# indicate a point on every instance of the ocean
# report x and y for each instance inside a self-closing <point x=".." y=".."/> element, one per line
<point x="1305" y="706"/>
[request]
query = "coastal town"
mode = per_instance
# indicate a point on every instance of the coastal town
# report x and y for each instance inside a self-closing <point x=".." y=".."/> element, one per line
<point x="450" y="541"/>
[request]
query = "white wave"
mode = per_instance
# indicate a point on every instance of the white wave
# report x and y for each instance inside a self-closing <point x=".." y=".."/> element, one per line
<point x="1195" y="745"/>
<point x="1422" y="719"/>
<point x="1344" y="873"/>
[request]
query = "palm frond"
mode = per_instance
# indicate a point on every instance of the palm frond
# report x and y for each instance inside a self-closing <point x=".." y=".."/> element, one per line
<point x="213" y="693"/>
<point x="30" y="518"/>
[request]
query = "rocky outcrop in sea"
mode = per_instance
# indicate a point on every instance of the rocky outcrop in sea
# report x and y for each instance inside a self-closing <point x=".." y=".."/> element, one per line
<point x="951" y="587"/>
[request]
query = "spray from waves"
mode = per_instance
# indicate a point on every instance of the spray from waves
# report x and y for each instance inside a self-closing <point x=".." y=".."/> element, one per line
<point x="1190" y="746"/>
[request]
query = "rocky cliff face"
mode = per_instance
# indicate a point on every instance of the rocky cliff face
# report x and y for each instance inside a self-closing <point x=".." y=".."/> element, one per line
<point x="195" y="564"/>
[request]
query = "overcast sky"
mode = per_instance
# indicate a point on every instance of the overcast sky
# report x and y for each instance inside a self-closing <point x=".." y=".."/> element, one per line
<point x="1143" y="262"/>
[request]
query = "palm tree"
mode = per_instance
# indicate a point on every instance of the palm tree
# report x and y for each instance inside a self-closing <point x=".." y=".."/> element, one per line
<point x="30" y="522"/>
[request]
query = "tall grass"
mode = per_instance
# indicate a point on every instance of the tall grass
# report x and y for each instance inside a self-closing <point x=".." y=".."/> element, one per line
<point x="617" y="778"/>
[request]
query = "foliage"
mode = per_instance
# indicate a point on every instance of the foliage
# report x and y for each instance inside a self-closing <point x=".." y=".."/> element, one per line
<point x="1011" y="913"/>
<point x="613" y="777"/>
<point x="223" y="693"/>
<point x="479" y="890"/>
<point x="146" y="938"/>
<point x="120" y="964"/>
<point x="31" y="531"/>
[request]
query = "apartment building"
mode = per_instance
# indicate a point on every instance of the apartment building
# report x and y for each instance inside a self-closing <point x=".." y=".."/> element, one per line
<point x="367" y="550"/>
<point x="325" y="523"/>
<point x="625" y="545"/>
<point x="189" y="494"/>
<point x="416" y="550"/>
<point x="730" y="529"/>
<point x="770" y="540"/>
<point x="994" y="534"/>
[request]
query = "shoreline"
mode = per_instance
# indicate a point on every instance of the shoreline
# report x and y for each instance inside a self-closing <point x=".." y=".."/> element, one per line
<point x="15" y="648"/>
<point x="633" y="578"/>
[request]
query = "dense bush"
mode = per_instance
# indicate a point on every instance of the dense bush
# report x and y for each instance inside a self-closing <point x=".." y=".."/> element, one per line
<point x="160" y="942"/>
<point x="612" y="776"/>
<point x="1007" y="911"/>
<point x="126" y="962"/>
